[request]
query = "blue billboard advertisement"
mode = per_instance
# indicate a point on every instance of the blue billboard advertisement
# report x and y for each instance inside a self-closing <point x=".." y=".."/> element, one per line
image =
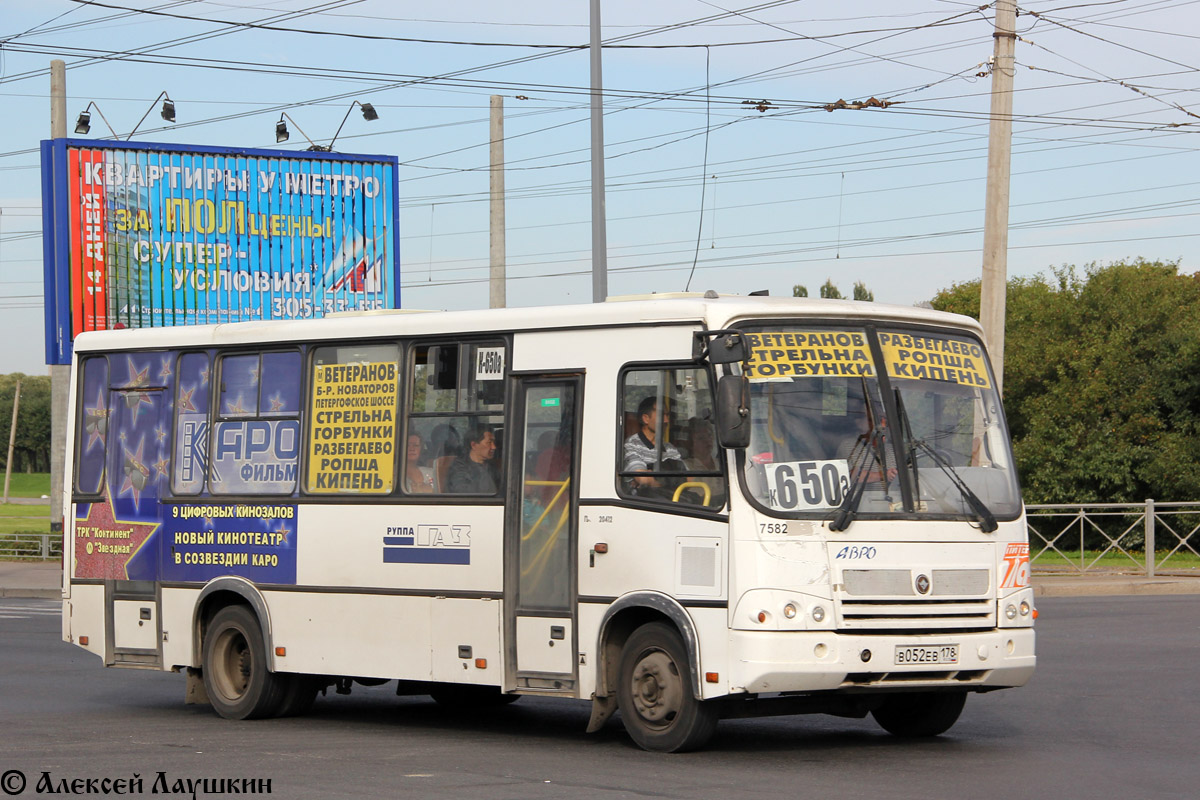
<point x="154" y="235"/>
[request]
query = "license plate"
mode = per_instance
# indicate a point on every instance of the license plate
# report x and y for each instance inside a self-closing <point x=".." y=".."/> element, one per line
<point x="926" y="654"/>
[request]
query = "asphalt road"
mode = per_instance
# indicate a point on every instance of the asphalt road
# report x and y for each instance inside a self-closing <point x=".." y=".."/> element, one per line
<point x="1111" y="712"/>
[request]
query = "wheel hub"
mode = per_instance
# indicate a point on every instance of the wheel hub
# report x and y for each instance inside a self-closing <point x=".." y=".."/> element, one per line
<point x="657" y="688"/>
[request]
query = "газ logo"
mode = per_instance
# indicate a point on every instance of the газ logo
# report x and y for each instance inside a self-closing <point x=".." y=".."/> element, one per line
<point x="428" y="544"/>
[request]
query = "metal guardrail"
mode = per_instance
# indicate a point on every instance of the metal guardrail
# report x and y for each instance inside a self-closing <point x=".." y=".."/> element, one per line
<point x="30" y="546"/>
<point x="1141" y="536"/>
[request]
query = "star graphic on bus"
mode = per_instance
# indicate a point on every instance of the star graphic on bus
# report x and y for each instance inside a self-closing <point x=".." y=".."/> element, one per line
<point x="94" y="558"/>
<point x="283" y="530"/>
<point x="162" y="465"/>
<point x="235" y="407"/>
<point x="137" y="474"/>
<point x="204" y="373"/>
<point x="137" y="379"/>
<point x="95" y="421"/>
<point x="165" y="372"/>
<point x="159" y="434"/>
<point x="185" y="399"/>
<point x="277" y="403"/>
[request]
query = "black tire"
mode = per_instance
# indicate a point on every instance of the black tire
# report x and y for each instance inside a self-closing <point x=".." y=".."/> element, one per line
<point x="655" y="695"/>
<point x="465" y="697"/>
<point x="300" y="695"/>
<point x="920" y="714"/>
<point x="236" y="677"/>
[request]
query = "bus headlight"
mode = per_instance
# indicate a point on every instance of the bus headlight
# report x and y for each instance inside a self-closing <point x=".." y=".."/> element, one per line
<point x="1010" y="611"/>
<point x="789" y="611"/>
<point x="818" y="613"/>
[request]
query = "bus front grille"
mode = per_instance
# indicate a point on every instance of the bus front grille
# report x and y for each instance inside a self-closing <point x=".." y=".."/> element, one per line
<point x="892" y="614"/>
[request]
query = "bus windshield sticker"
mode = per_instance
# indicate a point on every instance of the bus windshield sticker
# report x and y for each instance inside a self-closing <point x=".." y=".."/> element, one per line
<point x="936" y="358"/>
<point x="807" y="485"/>
<point x="796" y="354"/>
<point x="353" y="428"/>
<point x="489" y="364"/>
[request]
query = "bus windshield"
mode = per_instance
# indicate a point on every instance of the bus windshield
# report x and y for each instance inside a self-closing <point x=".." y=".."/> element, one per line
<point x="877" y="423"/>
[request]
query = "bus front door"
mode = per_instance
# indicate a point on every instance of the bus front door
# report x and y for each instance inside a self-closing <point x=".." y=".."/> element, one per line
<point x="541" y="529"/>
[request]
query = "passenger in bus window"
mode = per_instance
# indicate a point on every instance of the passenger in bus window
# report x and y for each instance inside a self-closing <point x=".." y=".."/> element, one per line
<point x="641" y="452"/>
<point x="417" y="479"/>
<point x="471" y="473"/>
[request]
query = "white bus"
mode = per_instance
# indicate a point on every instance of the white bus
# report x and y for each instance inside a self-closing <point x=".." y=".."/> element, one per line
<point x="679" y="507"/>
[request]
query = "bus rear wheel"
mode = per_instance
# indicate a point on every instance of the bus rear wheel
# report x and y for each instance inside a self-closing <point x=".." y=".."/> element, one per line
<point x="658" y="706"/>
<point x="236" y="677"/>
<point x="920" y="714"/>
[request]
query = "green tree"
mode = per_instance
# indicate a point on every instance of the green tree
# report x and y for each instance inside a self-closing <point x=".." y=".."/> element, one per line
<point x="829" y="291"/>
<point x="31" y="447"/>
<point x="799" y="290"/>
<point x="861" y="292"/>
<point x="1101" y="381"/>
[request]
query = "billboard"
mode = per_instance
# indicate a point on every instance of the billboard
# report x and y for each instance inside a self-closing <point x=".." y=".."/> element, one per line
<point x="140" y="235"/>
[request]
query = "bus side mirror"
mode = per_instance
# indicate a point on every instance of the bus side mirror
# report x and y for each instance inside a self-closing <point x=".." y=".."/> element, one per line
<point x="733" y="411"/>
<point x="727" y="348"/>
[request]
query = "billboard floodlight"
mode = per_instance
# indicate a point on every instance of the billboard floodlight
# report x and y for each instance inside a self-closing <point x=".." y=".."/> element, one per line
<point x="168" y="112"/>
<point x="83" y="125"/>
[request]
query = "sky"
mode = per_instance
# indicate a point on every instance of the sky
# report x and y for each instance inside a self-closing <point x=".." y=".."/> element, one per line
<point x="723" y="168"/>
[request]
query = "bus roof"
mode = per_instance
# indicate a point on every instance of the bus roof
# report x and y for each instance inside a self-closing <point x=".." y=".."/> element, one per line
<point x="707" y="309"/>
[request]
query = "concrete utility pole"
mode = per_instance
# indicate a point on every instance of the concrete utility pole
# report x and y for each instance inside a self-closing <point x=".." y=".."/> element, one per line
<point x="599" y="227"/>
<point x="497" y="249"/>
<point x="994" y="285"/>
<point x="60" y="376"/>
<point x="12" y="438"/>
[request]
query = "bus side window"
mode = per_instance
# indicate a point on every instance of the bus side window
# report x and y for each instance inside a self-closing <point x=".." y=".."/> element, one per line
<point x="668" y="448"/>
<point x="455" y="419"/>
<point x="191" y="424"/>
<point x="92" y="434"/>
<point x="255" y="445"/>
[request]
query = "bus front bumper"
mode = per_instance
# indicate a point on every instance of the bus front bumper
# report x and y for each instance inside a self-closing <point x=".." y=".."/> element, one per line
<point x="805" y="661"/>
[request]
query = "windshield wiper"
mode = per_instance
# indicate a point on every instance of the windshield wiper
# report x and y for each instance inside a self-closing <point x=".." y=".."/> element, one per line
<point x="987" y="521"/>
<point x="844" y="514"/>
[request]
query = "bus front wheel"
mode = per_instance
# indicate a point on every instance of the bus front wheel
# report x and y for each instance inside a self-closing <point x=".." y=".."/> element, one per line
<point x="920" y="714"/>
<point x="658" y="707"/>
<point x="236" y="677"/>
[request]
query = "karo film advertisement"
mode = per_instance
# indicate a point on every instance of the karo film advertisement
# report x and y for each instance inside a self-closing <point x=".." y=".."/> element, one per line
<point x="153" y="235"/>
<point x="124" y="461"/>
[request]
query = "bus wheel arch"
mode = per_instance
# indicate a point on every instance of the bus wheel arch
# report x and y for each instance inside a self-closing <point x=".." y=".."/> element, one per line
<point x="224" y="592"/>
<point x="623" y="619"/>
<point x="626" y="615"/>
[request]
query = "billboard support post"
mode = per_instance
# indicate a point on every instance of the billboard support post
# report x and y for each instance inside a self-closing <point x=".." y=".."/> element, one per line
<point x="60" y="374"/>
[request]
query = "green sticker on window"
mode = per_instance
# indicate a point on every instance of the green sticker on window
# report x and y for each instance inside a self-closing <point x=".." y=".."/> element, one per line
<point x="549" y="402"/>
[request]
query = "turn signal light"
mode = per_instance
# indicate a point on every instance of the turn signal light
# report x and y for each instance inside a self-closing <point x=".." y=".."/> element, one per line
<point x="83" y="640"/>
<point x="762" y="616"/>
<point x="712" y="677"/>
<point x="281" y="651"/>
<point x="481" y="663"/>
